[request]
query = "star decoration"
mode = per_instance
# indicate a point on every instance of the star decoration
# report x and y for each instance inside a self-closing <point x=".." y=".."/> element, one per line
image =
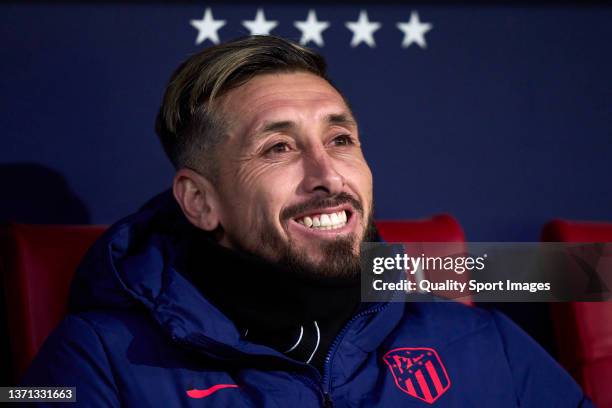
<point x="363" y="30"/>
<point x="260" y="26"/>
<point x="207" y="27"/>
<point x="414" y="31"/>
<point x="312" y="29"/>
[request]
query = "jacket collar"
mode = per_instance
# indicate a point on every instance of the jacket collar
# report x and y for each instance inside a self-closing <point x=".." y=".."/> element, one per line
<point x="134" y="265"/>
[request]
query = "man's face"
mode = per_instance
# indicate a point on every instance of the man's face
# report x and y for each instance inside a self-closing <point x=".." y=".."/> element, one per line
<point x="293" y="184"/>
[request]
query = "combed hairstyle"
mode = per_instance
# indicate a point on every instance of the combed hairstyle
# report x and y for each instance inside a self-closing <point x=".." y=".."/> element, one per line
<point x="188" y="123"/>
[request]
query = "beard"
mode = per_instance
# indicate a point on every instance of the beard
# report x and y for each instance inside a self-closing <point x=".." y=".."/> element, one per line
<point x="339" y="261"/>
<point x="339" y="258"/>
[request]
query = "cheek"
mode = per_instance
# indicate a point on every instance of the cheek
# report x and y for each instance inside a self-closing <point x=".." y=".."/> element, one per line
<point x="358" y="174"/>
<point x="264" y="190"/>
<point x="366" y="189"/>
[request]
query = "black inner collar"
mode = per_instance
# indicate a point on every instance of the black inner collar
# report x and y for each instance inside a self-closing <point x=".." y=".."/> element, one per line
<point x="271" y="305"/>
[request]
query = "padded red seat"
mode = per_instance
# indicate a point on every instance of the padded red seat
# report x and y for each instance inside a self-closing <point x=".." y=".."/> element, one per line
<point x="584" y="330"/>
<point x="38" y="263"/>
<point x="439" y="228"/>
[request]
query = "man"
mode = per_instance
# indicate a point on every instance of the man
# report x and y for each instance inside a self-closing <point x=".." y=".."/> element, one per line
<point x="243" y="288"/>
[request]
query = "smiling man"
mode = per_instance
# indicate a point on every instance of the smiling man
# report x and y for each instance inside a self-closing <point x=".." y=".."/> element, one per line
<point x="293" y="186"/>
<point x="240" y="287"/>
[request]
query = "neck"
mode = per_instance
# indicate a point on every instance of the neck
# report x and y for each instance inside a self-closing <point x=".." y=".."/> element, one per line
<point x="271" y="304"/>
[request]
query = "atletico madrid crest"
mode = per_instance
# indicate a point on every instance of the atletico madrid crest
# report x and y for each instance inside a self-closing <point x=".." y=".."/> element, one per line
<point x="418" y="372"/>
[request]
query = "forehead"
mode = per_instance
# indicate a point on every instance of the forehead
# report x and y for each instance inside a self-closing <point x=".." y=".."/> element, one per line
<point x="297" y="97"/>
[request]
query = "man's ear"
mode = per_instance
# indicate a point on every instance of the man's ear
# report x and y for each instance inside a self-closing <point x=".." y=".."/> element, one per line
<point x="198" y="199"/>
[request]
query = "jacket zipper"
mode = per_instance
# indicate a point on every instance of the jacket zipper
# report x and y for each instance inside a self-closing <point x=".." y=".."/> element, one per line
<point x="326" y="380"/>
<point x="324" y="387"/>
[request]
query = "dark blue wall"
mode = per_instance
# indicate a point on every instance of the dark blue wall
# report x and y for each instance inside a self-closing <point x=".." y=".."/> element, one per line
<point x="504" y="121"/>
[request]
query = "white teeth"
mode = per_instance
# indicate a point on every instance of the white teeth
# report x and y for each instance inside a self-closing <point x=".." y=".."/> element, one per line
<point x="308" y="222"/>
<point x="334" y="218"/>
<point x="325" y="221"/>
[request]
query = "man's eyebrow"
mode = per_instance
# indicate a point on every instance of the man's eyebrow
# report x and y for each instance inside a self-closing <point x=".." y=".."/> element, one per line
<point x="271" y="127"/>
<point x="284" y="125"/>
<point x="343" y="119"/>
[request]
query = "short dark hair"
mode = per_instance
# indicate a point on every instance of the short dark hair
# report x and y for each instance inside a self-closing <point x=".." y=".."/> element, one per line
<point x="188" y="124"/>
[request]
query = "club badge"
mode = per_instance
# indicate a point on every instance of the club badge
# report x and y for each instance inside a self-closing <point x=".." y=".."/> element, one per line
<point x="418" y="372"/>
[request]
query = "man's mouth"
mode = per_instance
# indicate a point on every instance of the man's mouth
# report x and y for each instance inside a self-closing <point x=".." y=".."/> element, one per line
<point x="325" y="220"/>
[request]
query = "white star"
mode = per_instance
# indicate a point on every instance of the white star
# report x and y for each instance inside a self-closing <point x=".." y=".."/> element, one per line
<point x="207" y="27"/>
<point x="363" y="30"/>
<point x="312" y="29"/>
<point x="414" y="31"/>
<point x="260" y="26"/>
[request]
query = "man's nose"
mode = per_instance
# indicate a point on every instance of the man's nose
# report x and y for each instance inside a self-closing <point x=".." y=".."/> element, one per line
<point x="320" y="173"/>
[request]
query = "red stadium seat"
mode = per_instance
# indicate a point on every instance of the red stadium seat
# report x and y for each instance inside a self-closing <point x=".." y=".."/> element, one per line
<point x="584" y="330"/>
<point x="38" y="263"/>
<point x="439" y="228"/>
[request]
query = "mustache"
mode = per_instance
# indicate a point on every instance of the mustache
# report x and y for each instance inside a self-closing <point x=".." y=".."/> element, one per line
<point x="322" y="202"/>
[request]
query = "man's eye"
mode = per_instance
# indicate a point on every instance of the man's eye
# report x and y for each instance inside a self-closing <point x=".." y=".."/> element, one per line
<point x="280" y="147"/>
<point x="342" y="140"/>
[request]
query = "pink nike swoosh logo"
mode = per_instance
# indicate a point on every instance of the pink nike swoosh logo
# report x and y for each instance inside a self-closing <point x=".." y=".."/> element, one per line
<point x="195" y="393"/>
